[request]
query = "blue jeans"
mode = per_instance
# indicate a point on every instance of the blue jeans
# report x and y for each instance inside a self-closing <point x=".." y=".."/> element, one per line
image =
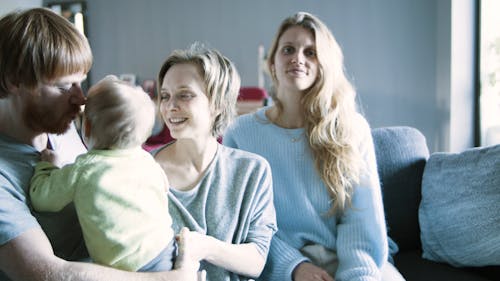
<point x="164" y="261"/>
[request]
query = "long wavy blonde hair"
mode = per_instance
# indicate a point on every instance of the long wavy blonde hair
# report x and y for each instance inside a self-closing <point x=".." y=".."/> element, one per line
<point x="330" y="113"/>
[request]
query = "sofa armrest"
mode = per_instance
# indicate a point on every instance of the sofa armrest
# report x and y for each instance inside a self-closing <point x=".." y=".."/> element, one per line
<point x="401" y="156"/>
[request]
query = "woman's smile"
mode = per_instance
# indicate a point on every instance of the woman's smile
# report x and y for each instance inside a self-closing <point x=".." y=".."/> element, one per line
<point x="176" y="120"/>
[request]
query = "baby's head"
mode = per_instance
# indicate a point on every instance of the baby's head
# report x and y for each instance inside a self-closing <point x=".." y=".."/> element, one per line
<point x="117" y="115"/>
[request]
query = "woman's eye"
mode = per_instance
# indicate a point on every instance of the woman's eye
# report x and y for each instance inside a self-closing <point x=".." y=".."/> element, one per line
<point x="164" y="97"/>
<point x="185" y="96"/>
<point x="310" y="53"/>
<point x="288" y="50"/>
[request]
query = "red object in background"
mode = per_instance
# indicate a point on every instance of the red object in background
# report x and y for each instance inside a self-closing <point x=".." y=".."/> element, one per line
<point x="149" y="86"/>
<point x="252" y="93"/>
<point x="158" y="140"/>
<point x="250" y="99"/>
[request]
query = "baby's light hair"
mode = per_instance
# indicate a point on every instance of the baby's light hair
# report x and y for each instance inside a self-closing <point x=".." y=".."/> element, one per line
<point x="121" y="116"/>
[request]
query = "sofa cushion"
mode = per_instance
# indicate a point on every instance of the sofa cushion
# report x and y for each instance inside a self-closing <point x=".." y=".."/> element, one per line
<point x="401" y="154"/>
<point x="460" y="208"/>
<point x="490" y="272"/>
<point x="413" y="268"/>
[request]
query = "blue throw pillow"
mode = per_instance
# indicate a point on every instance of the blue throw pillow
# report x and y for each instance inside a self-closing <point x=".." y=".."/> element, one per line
<point x="460" y="209"/>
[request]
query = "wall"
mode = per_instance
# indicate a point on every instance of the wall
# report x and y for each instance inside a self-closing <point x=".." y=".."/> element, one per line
<point x="9" y="5"/>
<point x="398" y="53"/>
<point x="462" y="82"/>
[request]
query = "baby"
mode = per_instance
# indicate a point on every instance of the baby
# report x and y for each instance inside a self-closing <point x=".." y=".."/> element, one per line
<point x="119" y="191"/>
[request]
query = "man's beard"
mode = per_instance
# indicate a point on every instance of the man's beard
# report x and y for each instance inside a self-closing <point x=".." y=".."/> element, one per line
<point x="46" y="120"/>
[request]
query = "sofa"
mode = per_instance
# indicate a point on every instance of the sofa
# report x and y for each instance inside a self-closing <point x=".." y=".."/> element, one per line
<point x="406" y="174"/>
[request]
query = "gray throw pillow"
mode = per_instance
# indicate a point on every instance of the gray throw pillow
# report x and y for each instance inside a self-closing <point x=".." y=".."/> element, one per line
<point x="460" y="209"/>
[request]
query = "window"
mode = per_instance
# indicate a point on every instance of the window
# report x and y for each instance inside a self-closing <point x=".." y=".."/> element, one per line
<point x="72" y="11"/>
<point x="489" y="96"/>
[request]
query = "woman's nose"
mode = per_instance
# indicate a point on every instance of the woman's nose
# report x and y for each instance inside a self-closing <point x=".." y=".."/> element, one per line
<point x="298" y="59"/>
<point x="170" y="104"/>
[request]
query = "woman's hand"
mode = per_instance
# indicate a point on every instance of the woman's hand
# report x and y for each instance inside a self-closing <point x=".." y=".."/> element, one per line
<point x="192" y="248"/>
<point x="243" y="259"/>
<point x="307" y="271"/>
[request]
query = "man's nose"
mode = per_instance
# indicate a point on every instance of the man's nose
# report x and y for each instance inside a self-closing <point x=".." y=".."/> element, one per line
<point x="77" y="96"/>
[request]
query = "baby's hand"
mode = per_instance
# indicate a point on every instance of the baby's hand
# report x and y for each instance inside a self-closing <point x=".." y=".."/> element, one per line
<point x="202" y="275"/>
<point x="51" y="156"/>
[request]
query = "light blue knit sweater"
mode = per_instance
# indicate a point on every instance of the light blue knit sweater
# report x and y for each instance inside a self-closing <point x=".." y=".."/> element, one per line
<point x="302" y="202"/>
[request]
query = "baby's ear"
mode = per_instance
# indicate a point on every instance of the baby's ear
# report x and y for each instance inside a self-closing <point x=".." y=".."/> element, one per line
<point x="12" y="87"/>
<point x="87" y="127"/>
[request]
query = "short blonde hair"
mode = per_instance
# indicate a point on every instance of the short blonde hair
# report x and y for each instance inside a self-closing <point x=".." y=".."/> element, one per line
<point x="222" y="81"/>
<point x="37" y="45"/>
<point x="121" y="116"/>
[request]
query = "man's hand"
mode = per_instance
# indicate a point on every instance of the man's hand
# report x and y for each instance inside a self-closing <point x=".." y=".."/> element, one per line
<point x="188" y="274"/>
<point x="307" y="271"/>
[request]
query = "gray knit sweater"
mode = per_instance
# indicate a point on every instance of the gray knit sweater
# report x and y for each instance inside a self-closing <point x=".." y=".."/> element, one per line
<point x="233" y="202"/>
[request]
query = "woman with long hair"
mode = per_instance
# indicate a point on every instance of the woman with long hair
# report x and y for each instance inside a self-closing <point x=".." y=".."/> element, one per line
<point x="327" y="193"/>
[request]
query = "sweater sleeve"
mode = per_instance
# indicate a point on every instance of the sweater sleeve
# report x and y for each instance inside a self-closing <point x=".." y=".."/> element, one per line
<point x="229" y="139"/>
<point x="51" y="189"/>
<point x="263" y="220"/>
<point x="362" y="241"/>
<point x="282" y="260"/>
